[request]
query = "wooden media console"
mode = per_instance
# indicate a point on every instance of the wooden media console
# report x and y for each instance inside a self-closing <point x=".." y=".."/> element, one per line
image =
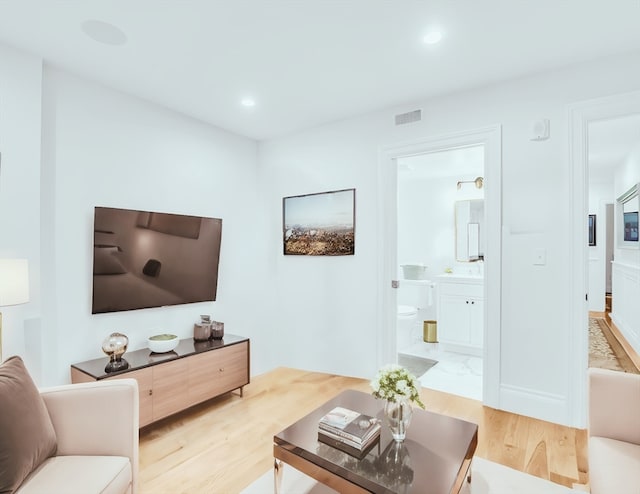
<point x="170" y="382"/>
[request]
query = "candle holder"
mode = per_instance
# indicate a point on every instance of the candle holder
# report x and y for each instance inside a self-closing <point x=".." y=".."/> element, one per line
<point x="217" y="330"/>
<point x="202" y="330"/>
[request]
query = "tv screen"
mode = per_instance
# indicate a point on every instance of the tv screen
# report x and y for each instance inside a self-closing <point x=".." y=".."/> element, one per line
<point x="144" y="259"/>
<point x="631" y="226"/>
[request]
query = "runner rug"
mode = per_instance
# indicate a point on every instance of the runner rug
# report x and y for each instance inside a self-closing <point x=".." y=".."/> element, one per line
<point x="415" y="365"/>
<point x="605" y="352"/>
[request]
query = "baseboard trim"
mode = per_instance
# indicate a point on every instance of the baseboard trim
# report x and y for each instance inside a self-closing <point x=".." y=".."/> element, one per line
<point x="533" y="403"/>
<point x="617" y="334"/>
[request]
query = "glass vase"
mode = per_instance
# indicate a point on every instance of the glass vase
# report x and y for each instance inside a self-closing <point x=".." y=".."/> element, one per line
<point x="398" y="414"/>
<point x="395" y="467"/>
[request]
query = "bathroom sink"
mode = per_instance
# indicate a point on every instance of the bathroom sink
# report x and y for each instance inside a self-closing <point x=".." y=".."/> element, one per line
<point x="461" y="278"/>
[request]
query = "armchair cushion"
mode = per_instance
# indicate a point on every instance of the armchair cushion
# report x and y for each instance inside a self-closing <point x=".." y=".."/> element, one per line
<point x="27" y="436"/>
<point x="614" y="405"/>
<point x="96" y="425"/>
<point x="614" y="432"/>
<point x="80" y="475"/>
<point x="614" y="465"/>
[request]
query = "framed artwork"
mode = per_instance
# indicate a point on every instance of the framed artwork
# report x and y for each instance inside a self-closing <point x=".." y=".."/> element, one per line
<point x="631" y="226"/>
<point x="627" y="207"/>
<point x="592" y="229"/>
<point x="320" y="224"/>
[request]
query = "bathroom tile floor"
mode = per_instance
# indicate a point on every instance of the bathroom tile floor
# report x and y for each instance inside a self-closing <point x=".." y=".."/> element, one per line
<point x="455" y="373"/>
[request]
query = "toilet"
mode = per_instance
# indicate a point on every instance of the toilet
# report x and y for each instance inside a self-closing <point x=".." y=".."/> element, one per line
<point x="407" y="322"/>
<point x="415" y="304"/>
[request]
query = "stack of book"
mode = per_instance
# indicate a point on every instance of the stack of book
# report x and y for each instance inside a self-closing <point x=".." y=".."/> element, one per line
<point x="350" y="431"/>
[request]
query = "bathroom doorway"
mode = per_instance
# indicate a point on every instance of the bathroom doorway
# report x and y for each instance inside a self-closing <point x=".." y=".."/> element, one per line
<point x="432" y="248"/>
<point x="491" y="140"/>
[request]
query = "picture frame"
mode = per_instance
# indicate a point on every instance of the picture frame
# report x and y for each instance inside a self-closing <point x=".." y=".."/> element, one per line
<point x="630" y="222"/>
<point x="626" y="218"/>
<point x="319" y="224"/>
<point x="592" y="230"/>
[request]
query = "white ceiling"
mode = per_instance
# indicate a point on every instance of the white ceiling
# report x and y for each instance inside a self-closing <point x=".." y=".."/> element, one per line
<point x="308" y="62"/>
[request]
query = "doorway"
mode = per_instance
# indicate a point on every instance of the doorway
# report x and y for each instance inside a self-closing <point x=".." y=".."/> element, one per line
<point x="490" y="139"/>
<point x="431" y="190"/>
<point x="612" y="141"/>
<point x="581" y="117"/>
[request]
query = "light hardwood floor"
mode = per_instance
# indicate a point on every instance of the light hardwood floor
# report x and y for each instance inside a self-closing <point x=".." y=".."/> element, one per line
<point x="223" y="445"/>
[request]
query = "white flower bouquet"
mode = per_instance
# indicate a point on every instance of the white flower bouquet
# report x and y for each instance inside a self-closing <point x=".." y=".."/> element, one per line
<point x="394" y="382"/>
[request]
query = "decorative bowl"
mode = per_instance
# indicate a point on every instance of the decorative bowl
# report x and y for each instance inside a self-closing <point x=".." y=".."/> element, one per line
<point x="162" y="343"/>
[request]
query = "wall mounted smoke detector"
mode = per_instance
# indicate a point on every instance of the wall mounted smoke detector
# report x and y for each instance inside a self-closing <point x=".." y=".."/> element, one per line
<point x="540" y="130"/>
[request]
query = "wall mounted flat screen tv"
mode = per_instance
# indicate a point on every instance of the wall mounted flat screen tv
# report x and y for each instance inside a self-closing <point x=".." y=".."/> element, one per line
<point x="144" y="259"/>
<point x="631" y="226"/>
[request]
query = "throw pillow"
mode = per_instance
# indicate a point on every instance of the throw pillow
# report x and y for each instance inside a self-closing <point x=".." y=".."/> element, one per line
<point x="27" y="437"/>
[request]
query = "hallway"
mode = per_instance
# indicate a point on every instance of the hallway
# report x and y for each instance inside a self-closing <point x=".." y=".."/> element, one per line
<point x="607" y="347"/>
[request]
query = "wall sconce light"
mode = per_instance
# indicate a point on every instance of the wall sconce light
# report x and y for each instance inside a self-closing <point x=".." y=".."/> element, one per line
<point x="479" y="181"/>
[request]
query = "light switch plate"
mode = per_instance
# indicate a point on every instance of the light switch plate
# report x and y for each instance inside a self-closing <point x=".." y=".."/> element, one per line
<point x="539" y="257"/>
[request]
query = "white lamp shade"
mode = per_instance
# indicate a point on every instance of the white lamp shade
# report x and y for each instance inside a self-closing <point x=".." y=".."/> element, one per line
<point x="14" y="281"/>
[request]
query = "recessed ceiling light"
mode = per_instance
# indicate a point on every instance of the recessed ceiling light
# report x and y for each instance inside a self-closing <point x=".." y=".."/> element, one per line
<point x="432" y="37"/>
<point x="103" y="32"/>
<point x="248" y="102"/>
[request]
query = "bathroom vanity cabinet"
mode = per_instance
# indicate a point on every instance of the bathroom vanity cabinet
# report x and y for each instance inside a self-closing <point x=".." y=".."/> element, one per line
<point x="461" y="313"/>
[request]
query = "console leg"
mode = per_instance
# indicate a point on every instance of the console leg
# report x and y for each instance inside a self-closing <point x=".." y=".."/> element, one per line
<point x="278" y="466"/>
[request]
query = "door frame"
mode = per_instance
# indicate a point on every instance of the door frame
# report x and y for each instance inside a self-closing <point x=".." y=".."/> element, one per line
<point x="609" y="246"/>
<point x="491" y="138"/>
<point x="580" y="115"/>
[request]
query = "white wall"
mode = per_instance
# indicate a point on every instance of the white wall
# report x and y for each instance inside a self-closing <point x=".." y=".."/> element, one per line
<point x="426" y="217"/>
<point x="626" y="269"/>
<point x="20" y="98"/>
<point x="426" y="223"/>
<point x="101" y="147"/>
<point x="626" y="175"/>
<point x="331" y="302"/>
<point x="323" y="306"/>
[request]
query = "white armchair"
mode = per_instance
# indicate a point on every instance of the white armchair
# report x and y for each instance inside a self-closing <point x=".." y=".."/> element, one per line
<point x="96" y="427"/>
<point x="614" y="432"/>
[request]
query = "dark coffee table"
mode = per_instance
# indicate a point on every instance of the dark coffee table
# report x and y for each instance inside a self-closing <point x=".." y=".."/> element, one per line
<point x="435" y="457"/>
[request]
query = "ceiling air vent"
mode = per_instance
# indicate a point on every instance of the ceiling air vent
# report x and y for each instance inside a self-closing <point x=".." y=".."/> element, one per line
<point x="411" y="116"/>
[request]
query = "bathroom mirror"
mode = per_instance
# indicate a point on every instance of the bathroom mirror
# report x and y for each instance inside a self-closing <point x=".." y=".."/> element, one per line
<point x="628" y="205"/>
<point x="469" y="219"/>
